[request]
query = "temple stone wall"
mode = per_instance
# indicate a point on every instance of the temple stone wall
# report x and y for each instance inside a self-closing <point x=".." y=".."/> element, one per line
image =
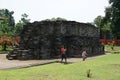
<point x="43" y="39"/>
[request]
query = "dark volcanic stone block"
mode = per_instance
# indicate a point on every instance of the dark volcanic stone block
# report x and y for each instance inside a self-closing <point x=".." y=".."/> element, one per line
<point x="43" y="39"/>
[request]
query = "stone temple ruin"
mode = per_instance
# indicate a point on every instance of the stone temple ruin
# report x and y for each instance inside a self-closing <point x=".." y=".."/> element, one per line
<point x="41" y="40"/>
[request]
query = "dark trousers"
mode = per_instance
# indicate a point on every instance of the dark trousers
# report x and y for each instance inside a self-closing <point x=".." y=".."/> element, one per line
<point x="84" y="57"/>
<point x="63" y="56"/>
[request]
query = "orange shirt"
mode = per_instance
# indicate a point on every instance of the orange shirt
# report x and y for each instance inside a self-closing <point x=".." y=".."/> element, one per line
<point x="62" y="50"/>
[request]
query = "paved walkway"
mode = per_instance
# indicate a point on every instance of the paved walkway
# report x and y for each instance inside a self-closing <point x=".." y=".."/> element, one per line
<point x="16" y="64"/>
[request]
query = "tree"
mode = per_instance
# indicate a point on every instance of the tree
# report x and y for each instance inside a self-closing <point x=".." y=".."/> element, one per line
<point x="6" y="17"/>
<point x="98" y="21"/>
<point x="113" y="15"/>
<point x="6" y="21"/>
<point x="21" y="23"/>
<point x="111" y="21"/>
<point x="24" y="19"/>
<point x="104" y="26"/>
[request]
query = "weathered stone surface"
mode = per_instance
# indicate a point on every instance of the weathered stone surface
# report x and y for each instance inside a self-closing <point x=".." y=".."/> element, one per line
<point x="43" y="39"/>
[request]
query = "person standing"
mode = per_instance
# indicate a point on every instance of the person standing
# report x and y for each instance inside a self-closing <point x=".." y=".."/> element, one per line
<point x="63" y="54"/>
<point x="84" y="55"/>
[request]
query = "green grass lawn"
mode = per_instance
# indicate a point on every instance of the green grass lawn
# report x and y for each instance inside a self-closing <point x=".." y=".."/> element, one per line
<point x="102" y="68"/>
<point x="109" y="49"/>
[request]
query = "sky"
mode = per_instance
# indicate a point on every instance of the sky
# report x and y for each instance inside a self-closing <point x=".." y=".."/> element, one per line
<point x="37" y="10"/>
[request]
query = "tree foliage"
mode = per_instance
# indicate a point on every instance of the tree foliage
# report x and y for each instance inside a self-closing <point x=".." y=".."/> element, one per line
<point x="98" y="21"/>
<point x="55" y="19"/>
<point x="113" y="15"/>
<point x="111" y="20"/>
<point x="6" y="21"/>
<point x="6" y="17"/>
<point x="104" y="26"/>
<point x="19" y="26"/>
<point x="8" y="29"/>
